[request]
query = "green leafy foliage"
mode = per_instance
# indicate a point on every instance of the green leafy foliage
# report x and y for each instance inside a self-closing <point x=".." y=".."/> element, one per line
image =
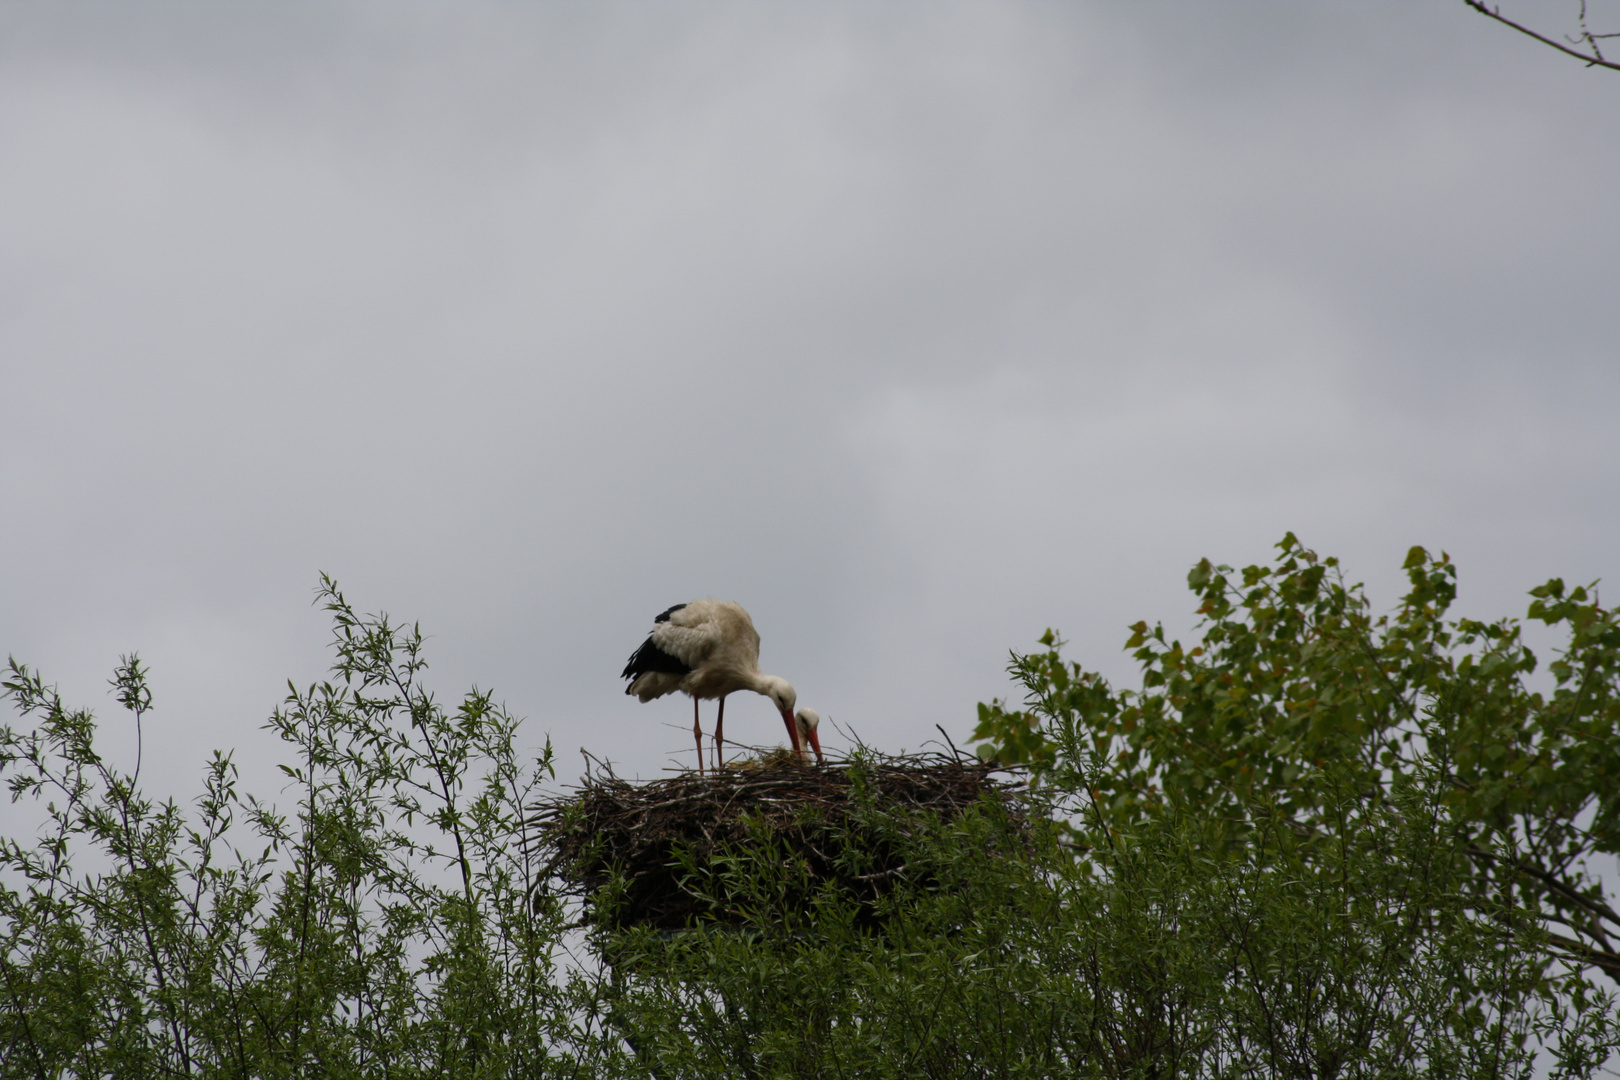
<point x="1317" y="843"/>
<point x="383" y="927"/>
<point x="1151" y="956"/>
<point x="1297" y="701"/>
<point x="1291" y="852"/>
<point x="1016" y="736"/>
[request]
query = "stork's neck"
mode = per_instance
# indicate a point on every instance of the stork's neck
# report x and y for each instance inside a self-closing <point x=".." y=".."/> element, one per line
<point x="778" y="689"/>
<point x="761" y="683"/>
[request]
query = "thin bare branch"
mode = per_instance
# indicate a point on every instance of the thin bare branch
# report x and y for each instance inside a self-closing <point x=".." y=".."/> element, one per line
<point x="1594" y="59"/>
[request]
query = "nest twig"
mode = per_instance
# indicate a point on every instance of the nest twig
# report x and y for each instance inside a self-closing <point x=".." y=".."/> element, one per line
<point x="841" y="822"/>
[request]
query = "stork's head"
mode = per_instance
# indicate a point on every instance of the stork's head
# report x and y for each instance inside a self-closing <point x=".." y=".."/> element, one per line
<point x="809" y="720"/>
<point x="781" y="693"/>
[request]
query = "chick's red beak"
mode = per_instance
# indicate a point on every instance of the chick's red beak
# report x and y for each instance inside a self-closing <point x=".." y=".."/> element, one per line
<point x="815" y="744"/>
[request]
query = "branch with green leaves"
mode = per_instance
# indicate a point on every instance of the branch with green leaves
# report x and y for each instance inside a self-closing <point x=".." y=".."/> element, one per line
<point x="386" y="926"/>
<point x="1298" y="702"/>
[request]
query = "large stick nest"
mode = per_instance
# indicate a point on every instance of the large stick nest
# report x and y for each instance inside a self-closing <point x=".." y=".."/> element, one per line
<point x="847" y="823"/>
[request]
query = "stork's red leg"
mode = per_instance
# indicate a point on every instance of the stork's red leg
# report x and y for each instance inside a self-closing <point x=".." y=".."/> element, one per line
<point x="719" y="734"/>
<point x="697" y="733"/>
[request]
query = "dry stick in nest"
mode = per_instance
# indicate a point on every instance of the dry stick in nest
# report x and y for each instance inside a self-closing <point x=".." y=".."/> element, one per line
<point x="609" y="824"/>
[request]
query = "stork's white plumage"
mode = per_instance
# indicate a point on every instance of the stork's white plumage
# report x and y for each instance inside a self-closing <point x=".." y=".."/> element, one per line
<point x="707" y="649"/>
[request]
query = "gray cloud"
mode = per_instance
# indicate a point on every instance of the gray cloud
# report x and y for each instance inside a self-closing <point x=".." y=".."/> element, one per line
<point x="914" y="328"/>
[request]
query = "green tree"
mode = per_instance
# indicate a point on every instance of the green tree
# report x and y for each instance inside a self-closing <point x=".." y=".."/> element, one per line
<point x="1298" y="702"/>
<point x="384" y="927"/>
<point x="1318" y="844"/>
<point x="1159" y="953"/>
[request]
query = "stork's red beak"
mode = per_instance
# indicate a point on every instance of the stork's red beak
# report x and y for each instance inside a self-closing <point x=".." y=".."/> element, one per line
<point x="815" y="744"/>
<point x="792" y="723"/>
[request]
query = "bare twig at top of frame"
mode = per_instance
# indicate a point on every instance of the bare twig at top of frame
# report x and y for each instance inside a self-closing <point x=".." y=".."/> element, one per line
<point x="1570" y="46"/>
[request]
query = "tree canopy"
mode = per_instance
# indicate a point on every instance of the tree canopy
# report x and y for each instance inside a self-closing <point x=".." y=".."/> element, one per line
<point x="1316" y="843"/>
<point x="1299" y="704"/>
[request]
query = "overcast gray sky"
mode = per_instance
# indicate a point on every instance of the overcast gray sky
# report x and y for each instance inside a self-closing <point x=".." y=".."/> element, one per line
<point x="916" y="328"/>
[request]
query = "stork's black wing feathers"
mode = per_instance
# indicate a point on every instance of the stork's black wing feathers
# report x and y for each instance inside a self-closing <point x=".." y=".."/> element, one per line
<point x="651" y="658"/>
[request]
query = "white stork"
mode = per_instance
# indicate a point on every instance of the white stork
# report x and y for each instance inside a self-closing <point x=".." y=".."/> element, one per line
<point x="809" y="720"/>
<point x="708" y="649"/>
